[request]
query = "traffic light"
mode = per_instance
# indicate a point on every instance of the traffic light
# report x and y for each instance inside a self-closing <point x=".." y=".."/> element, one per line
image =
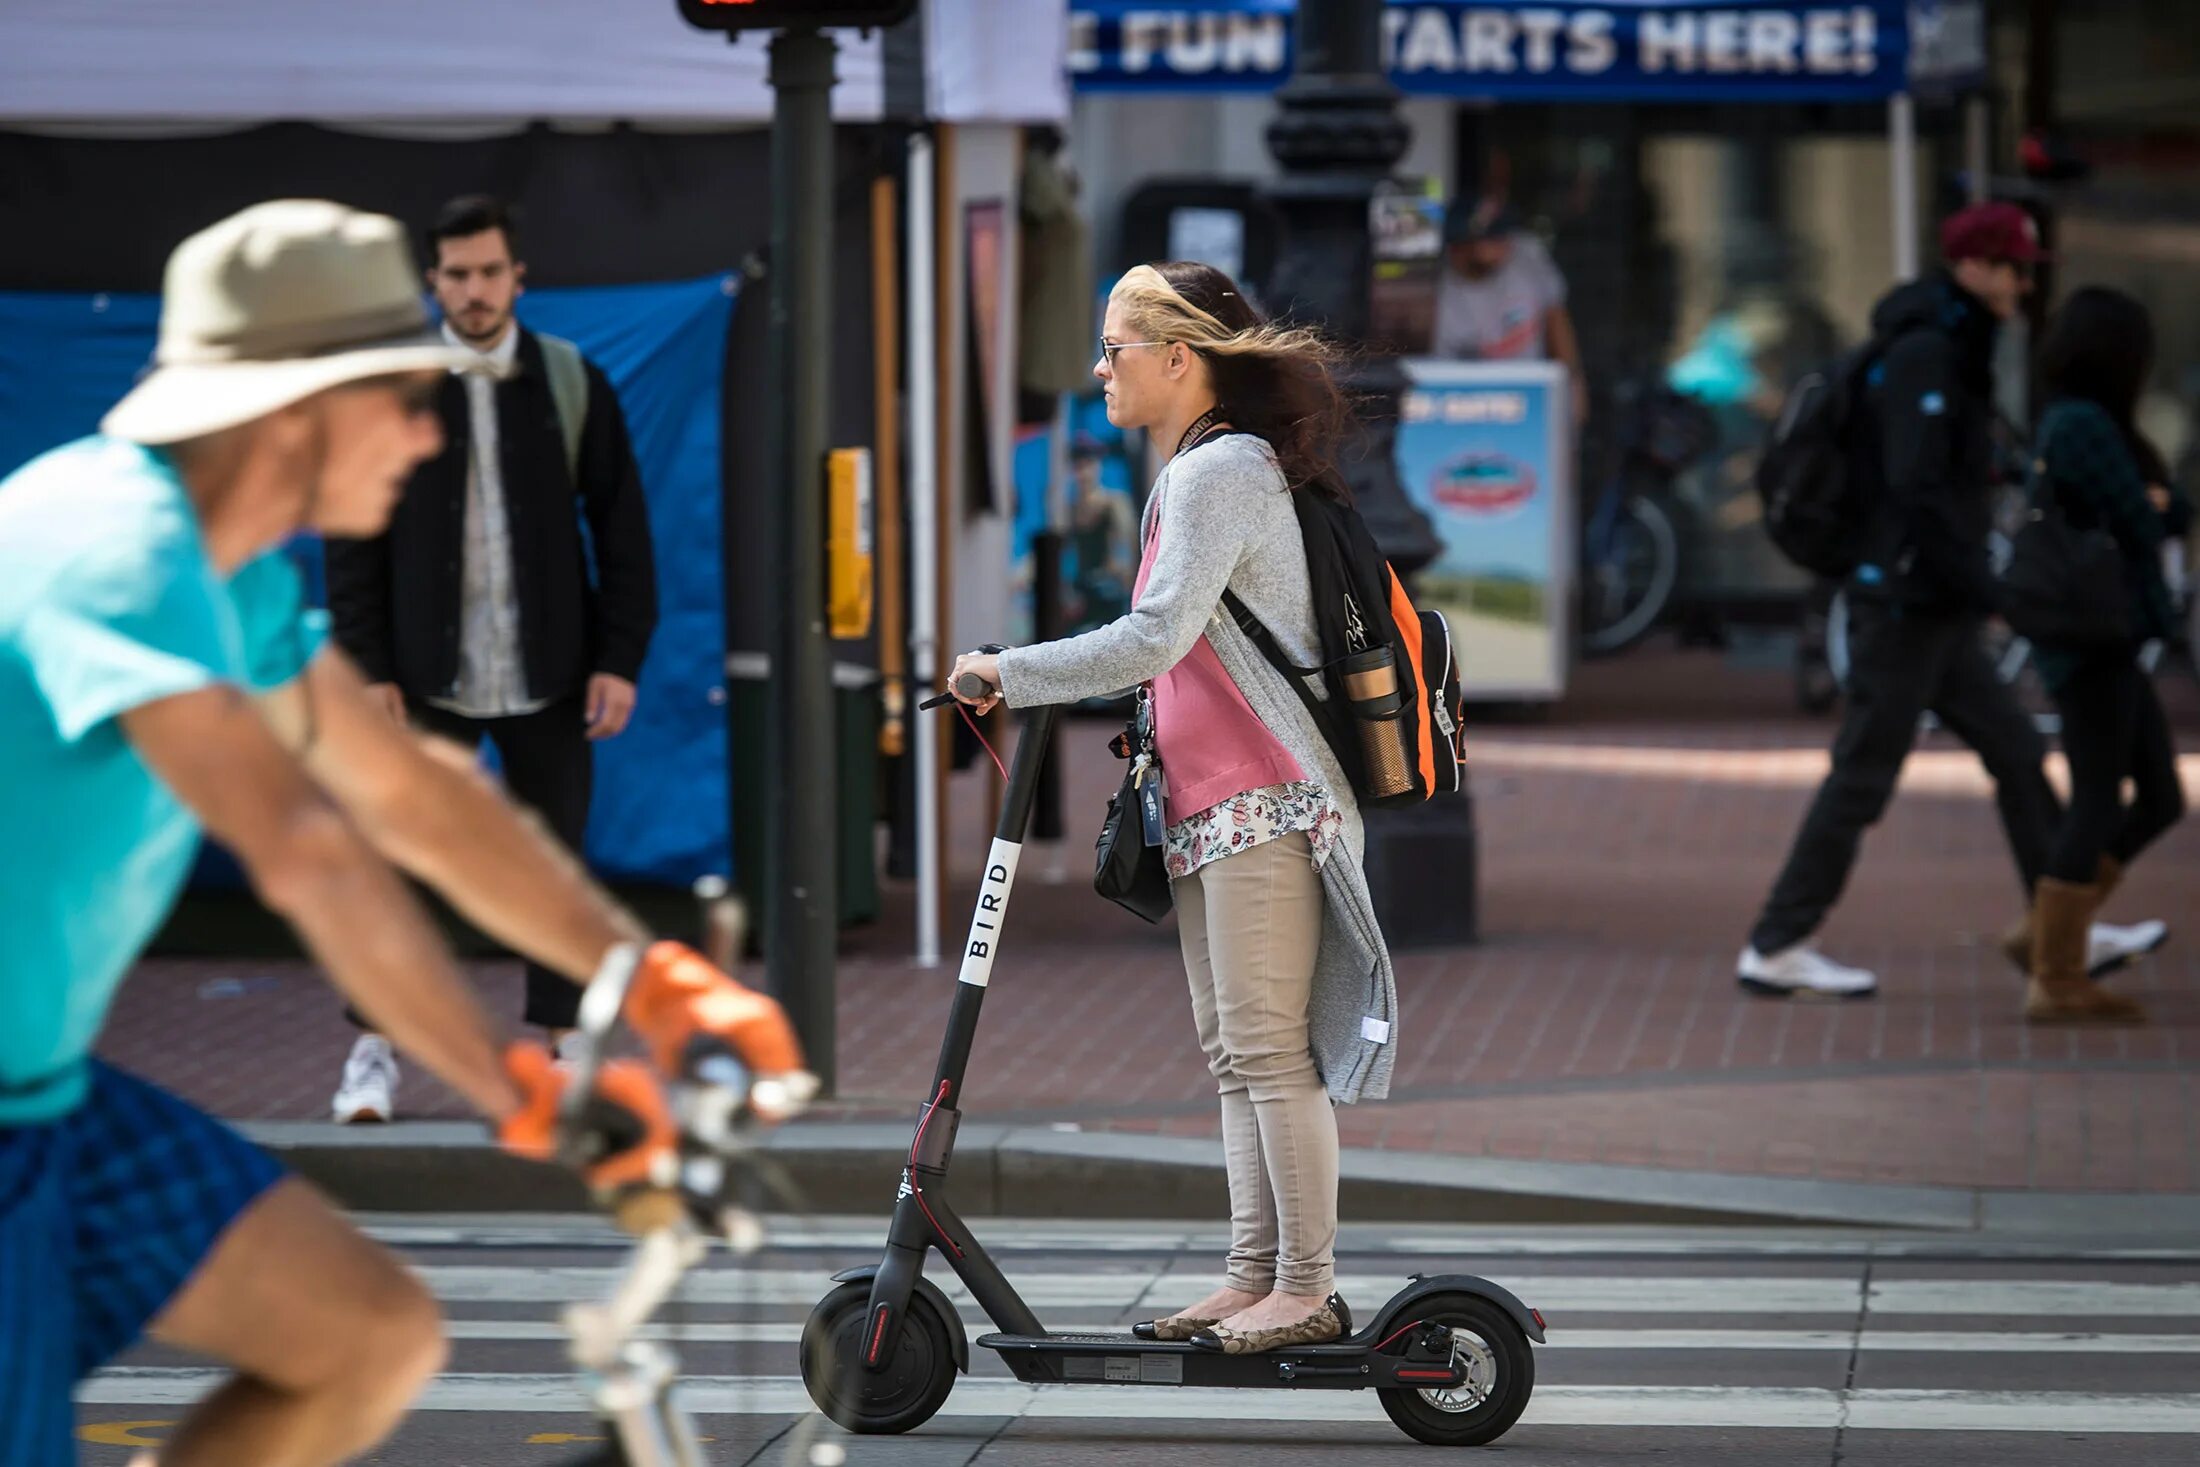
<point x="774" y="15"/>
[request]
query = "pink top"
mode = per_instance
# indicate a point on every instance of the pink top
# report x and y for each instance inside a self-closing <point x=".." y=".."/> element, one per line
<point x="1212" y="744"/>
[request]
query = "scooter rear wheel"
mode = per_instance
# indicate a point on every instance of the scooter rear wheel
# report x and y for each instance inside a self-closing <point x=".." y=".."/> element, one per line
<point x="899" y="1398"/>
<point x="1500" y="1376"/>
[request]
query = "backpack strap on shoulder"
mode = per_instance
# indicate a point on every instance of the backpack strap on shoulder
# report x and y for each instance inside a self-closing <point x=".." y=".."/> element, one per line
<point x="568" y="374"/>
<point x="1325" y="716"/>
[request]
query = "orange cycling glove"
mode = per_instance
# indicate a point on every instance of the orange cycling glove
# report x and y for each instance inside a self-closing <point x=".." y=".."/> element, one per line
<point x="628" y="1138"/>
<point x="677" y="996"/>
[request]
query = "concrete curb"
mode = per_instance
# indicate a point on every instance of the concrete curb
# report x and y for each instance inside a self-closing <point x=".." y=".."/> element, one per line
<point x="1022" y="1171"/>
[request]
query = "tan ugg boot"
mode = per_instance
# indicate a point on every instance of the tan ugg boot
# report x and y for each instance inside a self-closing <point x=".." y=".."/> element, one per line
<point x="2016" y="941"/>
<point x="2060" y="992"/>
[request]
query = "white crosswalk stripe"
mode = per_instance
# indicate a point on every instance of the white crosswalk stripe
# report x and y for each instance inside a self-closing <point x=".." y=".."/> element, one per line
<point x="1922" y="1341"/>
<point x="1614" y="1294"/>
<point x="1023" y="1236"/>
<point x="1558" y="1405"/>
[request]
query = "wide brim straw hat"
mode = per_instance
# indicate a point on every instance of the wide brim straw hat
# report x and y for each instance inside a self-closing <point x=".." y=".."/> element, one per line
<point x="272" y="305"/>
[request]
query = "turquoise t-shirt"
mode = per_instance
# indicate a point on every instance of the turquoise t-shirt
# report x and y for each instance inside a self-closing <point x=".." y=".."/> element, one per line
<point x="107" y="602"/>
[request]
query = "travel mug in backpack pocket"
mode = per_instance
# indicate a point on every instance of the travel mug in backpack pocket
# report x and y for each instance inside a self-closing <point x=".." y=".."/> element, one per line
<point x="1370" y="681"/>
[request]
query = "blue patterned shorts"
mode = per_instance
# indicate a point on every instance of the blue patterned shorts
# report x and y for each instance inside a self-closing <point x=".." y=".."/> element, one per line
<point x="103" y="1216"/>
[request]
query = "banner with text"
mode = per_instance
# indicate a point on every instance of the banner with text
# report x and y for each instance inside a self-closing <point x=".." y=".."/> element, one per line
<point x="1619" y="50"/>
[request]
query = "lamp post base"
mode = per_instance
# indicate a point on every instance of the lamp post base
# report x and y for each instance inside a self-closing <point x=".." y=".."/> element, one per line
<point x="1423" y="873"/>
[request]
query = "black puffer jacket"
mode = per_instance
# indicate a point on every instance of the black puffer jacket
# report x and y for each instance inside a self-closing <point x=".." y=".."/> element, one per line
<point x="1928" y="419"/>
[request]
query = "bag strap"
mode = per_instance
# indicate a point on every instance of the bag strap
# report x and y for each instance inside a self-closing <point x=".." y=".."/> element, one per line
<point x="1324" y="715"/>
<point x="561" y="362"/>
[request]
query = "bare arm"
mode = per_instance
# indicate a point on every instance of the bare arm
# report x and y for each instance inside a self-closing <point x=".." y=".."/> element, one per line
<point x="213" y="748"/>
<point x="422" y="804"/>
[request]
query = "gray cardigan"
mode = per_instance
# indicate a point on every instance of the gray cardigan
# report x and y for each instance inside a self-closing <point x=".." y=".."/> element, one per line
<point x="1229" y="524"/>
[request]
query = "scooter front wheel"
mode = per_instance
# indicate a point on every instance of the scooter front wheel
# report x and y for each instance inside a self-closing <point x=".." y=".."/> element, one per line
<point x="899" y="1398"/>
<point x="1500" y="1370"/>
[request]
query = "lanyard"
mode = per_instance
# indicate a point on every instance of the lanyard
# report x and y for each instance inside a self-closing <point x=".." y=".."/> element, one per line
<point x="1197" y="433"/>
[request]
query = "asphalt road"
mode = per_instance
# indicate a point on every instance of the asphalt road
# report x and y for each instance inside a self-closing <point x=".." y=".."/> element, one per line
<point x="1669" y="1347"/>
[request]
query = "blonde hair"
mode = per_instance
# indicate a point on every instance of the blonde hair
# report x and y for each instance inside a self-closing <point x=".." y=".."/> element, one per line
<point x="1276" y="382"/>
<point x="1161" y="312"/>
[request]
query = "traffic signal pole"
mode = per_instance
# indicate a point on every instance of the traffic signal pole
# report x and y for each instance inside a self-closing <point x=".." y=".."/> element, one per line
<point x="802" y="907"/>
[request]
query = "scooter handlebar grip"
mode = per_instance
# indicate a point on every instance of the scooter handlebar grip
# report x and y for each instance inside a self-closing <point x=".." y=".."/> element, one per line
<point x="973" y="687"/>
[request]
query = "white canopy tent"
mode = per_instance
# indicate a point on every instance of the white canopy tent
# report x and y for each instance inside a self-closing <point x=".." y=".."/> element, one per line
<point x="156" y="65"/>
<point x="453" y="69"/>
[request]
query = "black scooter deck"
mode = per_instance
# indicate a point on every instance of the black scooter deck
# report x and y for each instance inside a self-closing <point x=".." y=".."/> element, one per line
<point x="1096" y="1358"/>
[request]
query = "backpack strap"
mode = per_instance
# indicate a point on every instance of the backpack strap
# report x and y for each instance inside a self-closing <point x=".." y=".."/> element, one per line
<point x="568" y="374"/>
<point x="1325" y="716"/>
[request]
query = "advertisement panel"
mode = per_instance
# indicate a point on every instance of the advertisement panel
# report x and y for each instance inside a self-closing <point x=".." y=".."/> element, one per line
<point x="1484" y="453"/>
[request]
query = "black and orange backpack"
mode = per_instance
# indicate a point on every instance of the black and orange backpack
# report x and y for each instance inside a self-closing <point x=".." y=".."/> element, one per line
<point x="1391" y="708"/>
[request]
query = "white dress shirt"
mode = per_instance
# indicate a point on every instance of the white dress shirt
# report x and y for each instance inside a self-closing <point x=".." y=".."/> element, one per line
<point x="492" y="673"/>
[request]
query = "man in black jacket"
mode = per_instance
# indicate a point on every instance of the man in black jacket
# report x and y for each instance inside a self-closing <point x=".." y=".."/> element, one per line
<point x="474" y="614"/>
<point x="1919" y="600"/>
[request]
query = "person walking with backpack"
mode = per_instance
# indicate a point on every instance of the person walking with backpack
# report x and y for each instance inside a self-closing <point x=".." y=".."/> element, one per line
<point x="2093" y="468"/>
<point x="473" y="615"/>
<point x="1291" y="985"/>
<point x="1917" y="452"/>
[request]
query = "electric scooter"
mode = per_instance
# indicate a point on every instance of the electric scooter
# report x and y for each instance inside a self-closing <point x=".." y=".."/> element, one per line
<point x="1448" y="1355"/>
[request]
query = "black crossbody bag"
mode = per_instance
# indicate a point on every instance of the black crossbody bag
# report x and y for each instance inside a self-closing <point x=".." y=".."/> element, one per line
<point x="2065" y="586"/>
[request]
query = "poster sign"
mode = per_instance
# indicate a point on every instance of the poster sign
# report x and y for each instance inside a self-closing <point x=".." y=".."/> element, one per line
<point x="1617" y="50"/>
<point x="1483" y="451"/>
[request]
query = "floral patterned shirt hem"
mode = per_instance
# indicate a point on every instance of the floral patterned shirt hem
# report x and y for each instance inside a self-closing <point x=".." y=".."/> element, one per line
<point x="1255" y="818"/>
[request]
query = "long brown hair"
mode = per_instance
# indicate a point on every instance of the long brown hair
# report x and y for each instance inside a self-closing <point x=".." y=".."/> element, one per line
<point x="1276" y="382"/>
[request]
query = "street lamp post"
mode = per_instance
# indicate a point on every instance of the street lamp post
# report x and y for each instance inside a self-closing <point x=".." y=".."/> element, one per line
<point x="1336" y="137"/>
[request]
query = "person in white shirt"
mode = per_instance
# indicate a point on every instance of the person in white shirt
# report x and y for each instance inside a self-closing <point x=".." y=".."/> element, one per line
<point x="475" y="614"/>
<point x="1501" y="297"/>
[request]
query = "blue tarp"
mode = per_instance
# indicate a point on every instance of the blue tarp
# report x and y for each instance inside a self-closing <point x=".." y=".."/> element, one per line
<point x="660" y="802"/>
<point x="1528" y="50"/>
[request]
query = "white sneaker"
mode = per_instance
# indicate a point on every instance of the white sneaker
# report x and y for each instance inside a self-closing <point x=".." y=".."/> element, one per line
<point x="369" y="1091"/>
<point x="1801" y="972"/>
<point x="2108" y="947"/>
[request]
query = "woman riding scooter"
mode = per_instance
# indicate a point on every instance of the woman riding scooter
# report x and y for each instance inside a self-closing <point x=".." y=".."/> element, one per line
<point x="1263" y="834"/>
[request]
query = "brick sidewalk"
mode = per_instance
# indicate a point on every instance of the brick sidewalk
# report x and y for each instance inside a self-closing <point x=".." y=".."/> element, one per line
<point x="1598" y="1021"/>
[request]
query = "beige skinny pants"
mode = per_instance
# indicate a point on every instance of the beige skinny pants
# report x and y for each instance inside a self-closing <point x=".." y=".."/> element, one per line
<point x="1251" y="925"/>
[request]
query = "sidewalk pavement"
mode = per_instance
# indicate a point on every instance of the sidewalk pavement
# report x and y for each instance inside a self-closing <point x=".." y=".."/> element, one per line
<point x="1591" y="1058"/>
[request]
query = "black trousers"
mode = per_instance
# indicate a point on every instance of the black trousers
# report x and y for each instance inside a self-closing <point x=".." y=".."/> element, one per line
<point x="2113" y="729"/>
<point x="550" y="767"/>
<point x="1902" y="664"/>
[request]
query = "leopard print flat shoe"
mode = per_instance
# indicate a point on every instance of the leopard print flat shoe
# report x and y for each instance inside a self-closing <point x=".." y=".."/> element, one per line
<point x="1174" y="1330"/>
<point x="1319" y="1328"/>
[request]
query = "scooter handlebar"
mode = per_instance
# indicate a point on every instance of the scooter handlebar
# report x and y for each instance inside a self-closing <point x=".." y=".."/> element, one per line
<point x="970" y="688"/>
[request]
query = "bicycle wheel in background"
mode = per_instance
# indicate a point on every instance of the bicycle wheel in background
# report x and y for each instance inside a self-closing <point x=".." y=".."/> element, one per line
<point x="1627" y="581"/>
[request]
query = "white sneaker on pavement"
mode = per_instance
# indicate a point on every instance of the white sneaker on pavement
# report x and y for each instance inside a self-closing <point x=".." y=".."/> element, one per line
<point x="2108" y="946"/>
<point x="369" y="1091"/>
<point x="1801" y="972"/>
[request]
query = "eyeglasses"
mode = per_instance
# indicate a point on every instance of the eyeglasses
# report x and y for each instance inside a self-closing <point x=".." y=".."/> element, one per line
<point x="1109" y="348"/>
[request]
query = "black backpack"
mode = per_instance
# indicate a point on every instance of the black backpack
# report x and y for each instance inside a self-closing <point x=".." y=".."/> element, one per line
<point x="1817" y="503"/>
<point x="1394" y="751"/>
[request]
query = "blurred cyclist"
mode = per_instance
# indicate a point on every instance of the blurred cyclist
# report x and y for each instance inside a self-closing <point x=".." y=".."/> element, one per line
<point x="159" y="674"/>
